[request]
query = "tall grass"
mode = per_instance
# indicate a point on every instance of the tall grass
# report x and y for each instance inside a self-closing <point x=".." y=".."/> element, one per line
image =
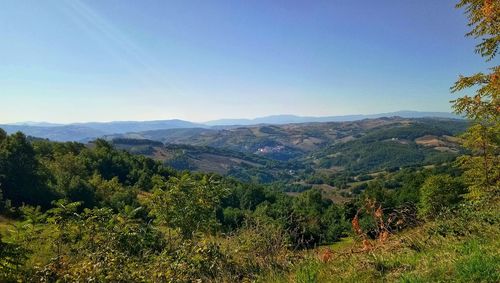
<point x="459" y="247"/>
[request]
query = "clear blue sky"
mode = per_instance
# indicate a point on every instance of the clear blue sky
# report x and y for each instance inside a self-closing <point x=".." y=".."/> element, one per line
<point x="102" y="60"/>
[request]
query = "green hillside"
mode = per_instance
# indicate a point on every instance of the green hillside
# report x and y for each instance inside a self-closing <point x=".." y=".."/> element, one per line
<point x="296" y="157"/>
<point x="245" y="167"/>
<point x="62" y="203"/>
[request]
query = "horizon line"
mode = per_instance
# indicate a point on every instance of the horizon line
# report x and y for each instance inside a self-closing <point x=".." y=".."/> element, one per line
<point x="26" y="123"/>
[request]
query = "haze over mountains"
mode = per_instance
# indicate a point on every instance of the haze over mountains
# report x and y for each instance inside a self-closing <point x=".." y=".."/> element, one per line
<point x="287" y="119"/>
<point x="92" y="130"/>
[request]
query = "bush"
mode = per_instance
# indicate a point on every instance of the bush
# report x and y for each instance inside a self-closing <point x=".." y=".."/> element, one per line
<point x="438" y="193"/>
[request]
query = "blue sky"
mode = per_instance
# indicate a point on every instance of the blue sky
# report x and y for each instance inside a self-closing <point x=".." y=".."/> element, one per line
<point x="103" y="60"/>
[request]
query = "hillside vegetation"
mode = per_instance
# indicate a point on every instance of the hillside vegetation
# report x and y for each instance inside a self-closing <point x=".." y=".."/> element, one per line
<point x="77" y="212"/>
<point x="302" y="153"/>
<point x="415" y="202"/>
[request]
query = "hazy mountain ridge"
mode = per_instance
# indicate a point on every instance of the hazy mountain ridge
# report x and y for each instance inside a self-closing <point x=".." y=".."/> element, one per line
<point x="91" y="130"/>
<point x="88" y="131"/>
<point x="287" y="119"/>
<point x="56" y="133"/>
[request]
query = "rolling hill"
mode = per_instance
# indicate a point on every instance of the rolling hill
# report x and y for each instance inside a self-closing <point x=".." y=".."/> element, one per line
<point x="314" y="152"/>
<point x="298" y="152"/>
<point x="243" y="166"/>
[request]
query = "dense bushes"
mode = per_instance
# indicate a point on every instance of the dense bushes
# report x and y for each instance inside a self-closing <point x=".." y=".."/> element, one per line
<point x="40" y="172"/>
<point x="438" y="193"/>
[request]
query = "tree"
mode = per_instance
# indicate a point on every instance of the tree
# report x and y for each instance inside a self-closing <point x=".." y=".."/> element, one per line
<point x="308" y="209"/>
<point x="484" y="17"/>
<point x="187" y="204"/>
<point x="21" y="176"/>
<point x="438" y="193"/>
<point x="482" y="166"/>
<point x="70" y="179"/>
<point x="376" y="191"/>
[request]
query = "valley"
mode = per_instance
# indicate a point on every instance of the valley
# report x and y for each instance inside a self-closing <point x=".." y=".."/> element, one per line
<point x="295" y="157"/>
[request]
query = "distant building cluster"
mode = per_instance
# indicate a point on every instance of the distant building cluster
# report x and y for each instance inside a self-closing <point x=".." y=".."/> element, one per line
<point x="270" y="149"/>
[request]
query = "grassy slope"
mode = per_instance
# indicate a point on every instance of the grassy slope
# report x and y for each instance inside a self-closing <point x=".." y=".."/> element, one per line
<point x="452" y="250"/>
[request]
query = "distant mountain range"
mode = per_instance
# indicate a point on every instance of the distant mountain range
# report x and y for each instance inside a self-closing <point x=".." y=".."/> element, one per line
<point x="288" y="119"/>
<point x="92" y="130"/>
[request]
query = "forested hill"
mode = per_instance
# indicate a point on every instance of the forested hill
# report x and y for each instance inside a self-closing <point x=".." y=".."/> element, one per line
<point x="67" y="206"/>
<point x="301" y="153"/>
<point x="301" y="138"/>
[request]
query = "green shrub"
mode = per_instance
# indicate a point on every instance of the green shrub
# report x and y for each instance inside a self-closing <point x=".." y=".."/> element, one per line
<point x="439" y="193"/>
